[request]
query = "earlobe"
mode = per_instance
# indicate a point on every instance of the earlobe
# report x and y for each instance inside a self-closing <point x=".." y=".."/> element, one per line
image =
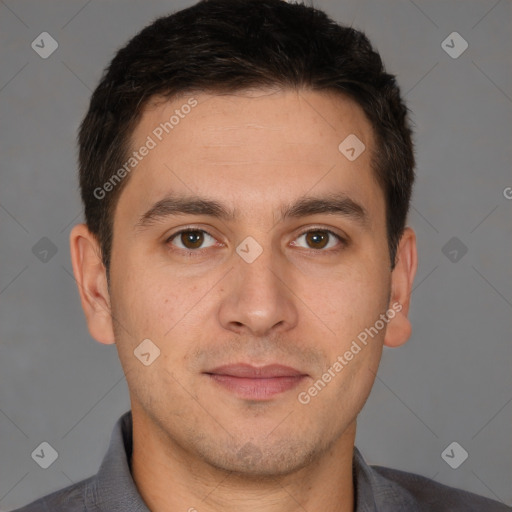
<point x="91" y="279"/>
<point x="399" y="328"/>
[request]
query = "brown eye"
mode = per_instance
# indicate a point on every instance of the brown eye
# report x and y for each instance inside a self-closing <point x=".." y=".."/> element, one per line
<point x="320" y="239"/>
<point x="194" y="238"/>
<point x="317" y="239"/>
<point x="190" y="239"/>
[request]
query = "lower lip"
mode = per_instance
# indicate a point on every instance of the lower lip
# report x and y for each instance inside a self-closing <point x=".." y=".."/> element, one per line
<point x="257" y="389"/>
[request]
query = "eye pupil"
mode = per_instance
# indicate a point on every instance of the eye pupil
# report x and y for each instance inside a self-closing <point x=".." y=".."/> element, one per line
<point x="193" y="237"/>
<point x="316" y="236"/>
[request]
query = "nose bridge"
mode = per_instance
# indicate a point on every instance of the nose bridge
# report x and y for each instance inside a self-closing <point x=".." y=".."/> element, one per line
<point x="260" y="298"/>
<point x="261" y="273"/>
<point x="258" y="269"/>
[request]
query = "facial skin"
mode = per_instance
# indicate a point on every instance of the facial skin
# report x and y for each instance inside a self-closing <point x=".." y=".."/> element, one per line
<point x="300" y="303"/>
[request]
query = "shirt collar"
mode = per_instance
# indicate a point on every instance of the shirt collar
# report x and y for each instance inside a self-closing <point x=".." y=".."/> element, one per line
<point x="114" y="489"/>
<point x="376" y="493"/>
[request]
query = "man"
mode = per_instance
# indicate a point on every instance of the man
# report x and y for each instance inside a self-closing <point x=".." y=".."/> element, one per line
<point x="246" y="168"/>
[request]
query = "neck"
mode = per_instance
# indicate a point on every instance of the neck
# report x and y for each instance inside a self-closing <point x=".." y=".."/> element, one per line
<point x="170" y="478"/>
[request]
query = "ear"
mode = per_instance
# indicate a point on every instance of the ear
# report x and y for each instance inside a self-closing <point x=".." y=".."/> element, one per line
<point x="399" y="328"/>
<point x="91" y="278"/>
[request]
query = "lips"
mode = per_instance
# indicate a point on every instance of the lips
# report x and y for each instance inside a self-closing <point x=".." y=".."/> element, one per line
<point x="256" y="383"/>
<point x="254" y="372"/>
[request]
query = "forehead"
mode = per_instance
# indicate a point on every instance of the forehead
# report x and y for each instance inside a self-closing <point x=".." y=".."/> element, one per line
<point x="253" y="150"/>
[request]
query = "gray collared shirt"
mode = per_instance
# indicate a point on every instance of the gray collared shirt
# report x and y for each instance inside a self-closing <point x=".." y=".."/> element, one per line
<point x="377" y="489"/>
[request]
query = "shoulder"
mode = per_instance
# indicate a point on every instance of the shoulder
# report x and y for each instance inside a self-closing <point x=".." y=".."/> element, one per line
<point x="70" y="499"/>
<point x="430" y="496"/>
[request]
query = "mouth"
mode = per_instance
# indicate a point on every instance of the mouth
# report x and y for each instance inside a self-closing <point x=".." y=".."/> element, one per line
<point x="256" y="383"/>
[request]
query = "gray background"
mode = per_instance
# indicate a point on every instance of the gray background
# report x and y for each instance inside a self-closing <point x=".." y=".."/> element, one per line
<point x="451" y="382"/>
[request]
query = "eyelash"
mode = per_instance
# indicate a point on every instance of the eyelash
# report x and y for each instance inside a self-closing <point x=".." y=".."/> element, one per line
<point x="197" y="252"/>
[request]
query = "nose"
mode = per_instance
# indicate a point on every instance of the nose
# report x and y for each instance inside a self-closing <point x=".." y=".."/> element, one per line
<point x="259" y="298"/>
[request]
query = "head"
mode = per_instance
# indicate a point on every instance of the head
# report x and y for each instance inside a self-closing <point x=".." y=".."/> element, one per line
<point x="242" y="105"/>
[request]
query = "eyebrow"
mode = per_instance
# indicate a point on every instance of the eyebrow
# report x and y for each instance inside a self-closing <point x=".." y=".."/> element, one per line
<point x="338" y="204"/>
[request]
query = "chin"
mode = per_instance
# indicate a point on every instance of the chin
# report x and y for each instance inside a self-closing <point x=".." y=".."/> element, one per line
<point x="257" y="460"/>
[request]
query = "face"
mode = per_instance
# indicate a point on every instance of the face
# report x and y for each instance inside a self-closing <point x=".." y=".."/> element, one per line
<point x="278" y="280"/>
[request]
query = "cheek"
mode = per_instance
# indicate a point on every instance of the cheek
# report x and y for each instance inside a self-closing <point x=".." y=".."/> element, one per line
<point x="136" y="310"/>
<point x="146" y="309"/>
<point x="351" y="297"/>
<point x="156" y="304"/>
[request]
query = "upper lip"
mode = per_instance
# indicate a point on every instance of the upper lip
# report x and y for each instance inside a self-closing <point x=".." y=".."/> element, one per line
<point x="256" y="372"/>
